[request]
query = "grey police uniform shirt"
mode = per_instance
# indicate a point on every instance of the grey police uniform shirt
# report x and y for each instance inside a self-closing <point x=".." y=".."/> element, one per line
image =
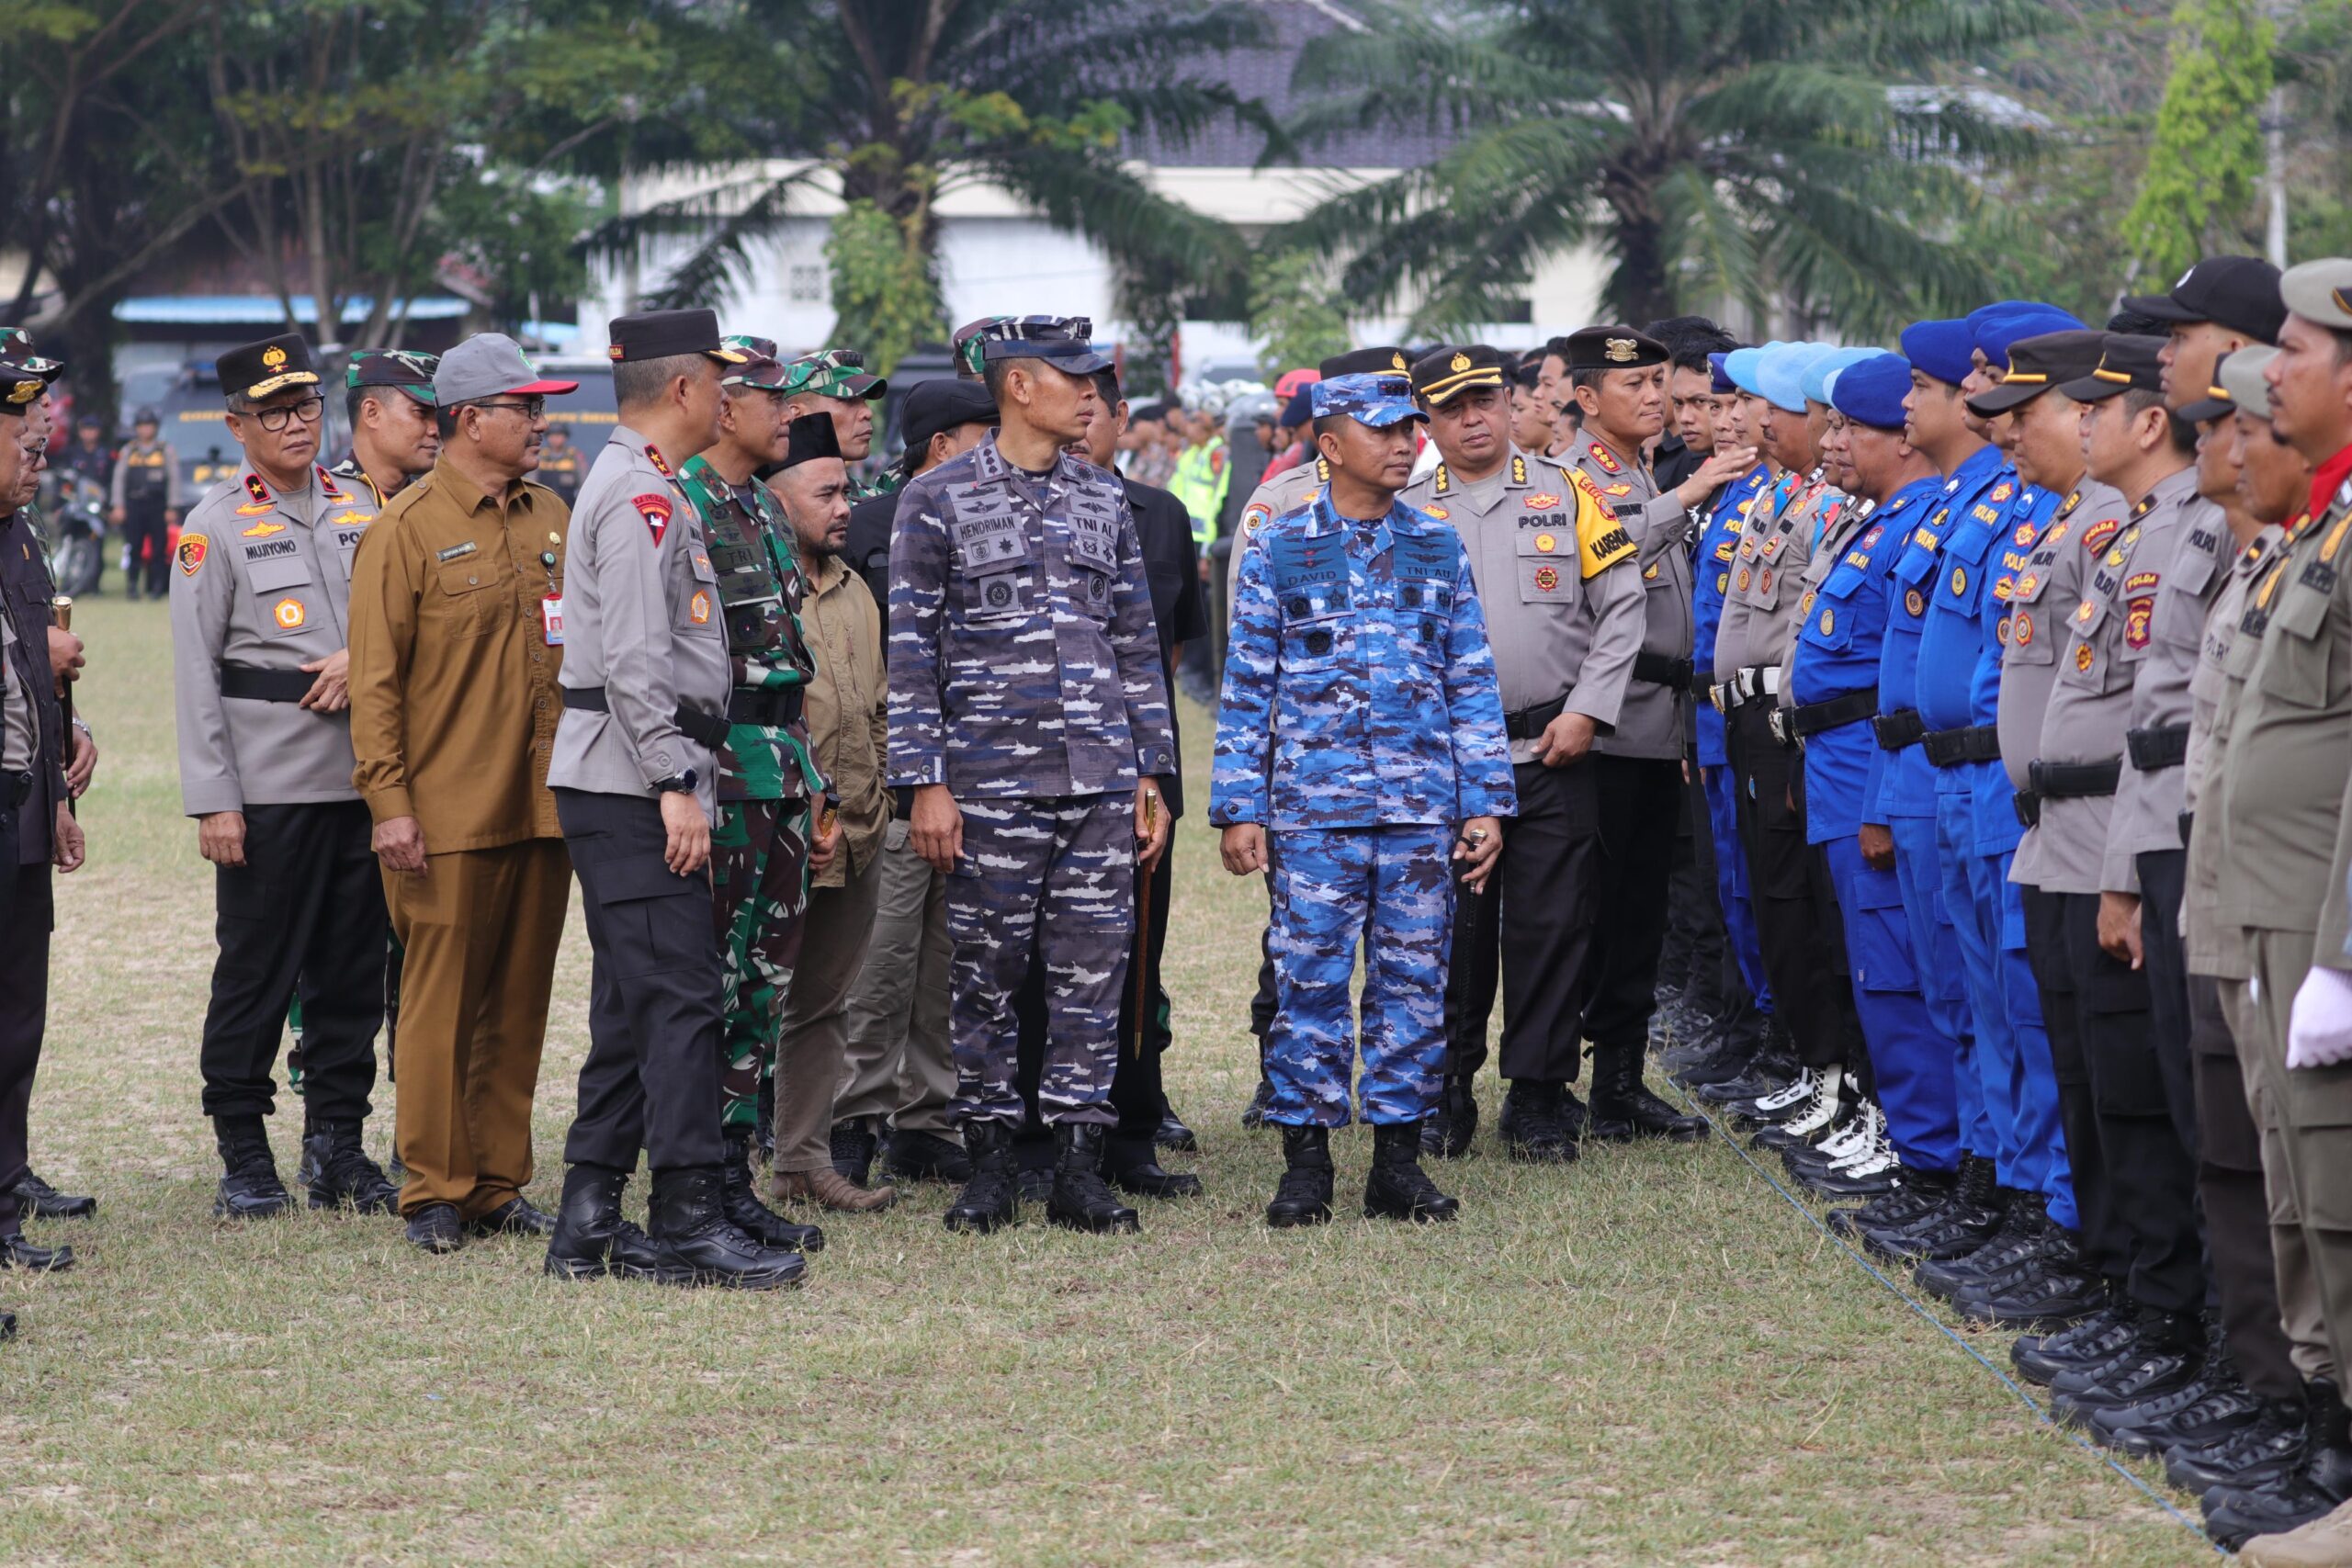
<point x="2148" y="806"/>
<point x="1768" y="579"/>
<point x="1286" y="491"/>
<point x="1555" y="634"/>
<point x="2224" y="658"/>
<point x="19" y="723"/>
<point x="641" y="619"/>
<point x="2041" y="599"/>
<point x="1653" y="721"/>
<point x="263" y="579"/>
<point x="2090" y="699"/>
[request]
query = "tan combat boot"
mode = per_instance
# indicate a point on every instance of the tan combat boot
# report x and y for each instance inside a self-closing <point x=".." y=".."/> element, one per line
<point x="2325" y="1542"/>
<point x="830" y="1189"/>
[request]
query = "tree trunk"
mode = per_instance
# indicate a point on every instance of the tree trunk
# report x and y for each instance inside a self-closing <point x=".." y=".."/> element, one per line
<point x="1641" y="290"/>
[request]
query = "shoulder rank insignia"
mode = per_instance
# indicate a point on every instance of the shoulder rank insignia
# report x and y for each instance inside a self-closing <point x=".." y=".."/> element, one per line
<point x="1606" y="459"/>
<point x="1518" y="470"/>
<point x="660" y="464"/>
<point x="258" y="490"/>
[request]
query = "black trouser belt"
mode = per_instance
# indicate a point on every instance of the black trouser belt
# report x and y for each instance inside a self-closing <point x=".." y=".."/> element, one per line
<point x="1895" y="731"/>
<point x="2064" y="781"/>
<point x="2029" y="808"/>
<point x="260" y="685"/>
<point x="1970" y="743"/>
<point x="2187" y="819"/>
<point x="773" y="706"/>
<point x="1659" y="671"/>
<point x="707" y="729"/>
<point x="1812" y="718"/>
<point x="1528" y="723"/>
<point x="2154" y="750"/>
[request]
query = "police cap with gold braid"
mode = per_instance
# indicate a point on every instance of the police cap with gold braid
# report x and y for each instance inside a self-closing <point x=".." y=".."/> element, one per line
<point x="1444" y="375"/>
<point x="1614" y="348"/>
<point x="257" y="369"/>
<point x="1384" y="360"/>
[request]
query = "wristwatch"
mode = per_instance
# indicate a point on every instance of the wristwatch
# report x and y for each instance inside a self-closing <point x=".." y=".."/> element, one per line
<point x="676" y="783"/>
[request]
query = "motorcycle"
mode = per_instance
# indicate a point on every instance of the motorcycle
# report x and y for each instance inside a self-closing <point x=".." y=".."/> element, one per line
<point x="75" y="510"/>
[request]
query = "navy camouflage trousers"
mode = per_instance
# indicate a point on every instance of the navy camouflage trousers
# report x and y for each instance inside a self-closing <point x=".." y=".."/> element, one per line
<point x="1393" y="887"/>
<point x="1054" y="877"/>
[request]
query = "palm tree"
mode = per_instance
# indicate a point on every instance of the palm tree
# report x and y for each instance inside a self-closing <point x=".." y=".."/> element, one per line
<point x="1712" y="148"/>
<point x="902" y="100"/>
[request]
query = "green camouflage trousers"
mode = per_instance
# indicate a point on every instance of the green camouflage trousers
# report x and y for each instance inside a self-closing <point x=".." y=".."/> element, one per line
<point x="759" y="867"/>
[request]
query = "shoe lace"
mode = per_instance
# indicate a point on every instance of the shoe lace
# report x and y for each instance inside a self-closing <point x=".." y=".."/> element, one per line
<point x="349" y="1167"/>
<point x="1408" y="1178"/>
<point x="1300" y="1184"/>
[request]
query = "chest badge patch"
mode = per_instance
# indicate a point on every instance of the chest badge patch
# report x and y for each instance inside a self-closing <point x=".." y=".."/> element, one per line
<point x="1546" y="543"/>
<point x="1542" y="500"/>
<point x="1958" y="580"/>
<point x="2023" y="631"/>
<point x="1547" y="578"/>
<point x="288" y="614"/>
<point x="655" y="510"/>
<point x="698" y="609"/>
<point x="191" y="553"/>
<point x="1744" y="580"/>
<point x="1764" y="584"/>
<point x="263" y="530"/>
<point x="1829" y="622"/>
<point x="2136" y="620"/>
<point x="1915" y="601"/>
<point x="2085" y="658"/>
<point x="1440" y="513"/>
<point x="1615" y="490"/>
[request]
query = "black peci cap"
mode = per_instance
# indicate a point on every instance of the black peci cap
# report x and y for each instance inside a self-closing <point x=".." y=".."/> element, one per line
<point x="809" y="437"/>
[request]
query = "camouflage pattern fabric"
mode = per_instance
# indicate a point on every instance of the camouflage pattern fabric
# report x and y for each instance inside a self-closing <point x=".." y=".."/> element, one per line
<point x="759" y="865"/>
<point x="1393" y="887"/>
<point x="1360" y="690"/>
<point x="1056" y="877"/>
<point x="1024" y="662"/>
<point x="760" y="589"/>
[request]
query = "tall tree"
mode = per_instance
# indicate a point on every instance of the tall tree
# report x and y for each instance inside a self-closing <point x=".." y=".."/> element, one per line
<point x="1710" y="148"/>
<point x="896" y="103"/>
<point x="2205" y="168"/>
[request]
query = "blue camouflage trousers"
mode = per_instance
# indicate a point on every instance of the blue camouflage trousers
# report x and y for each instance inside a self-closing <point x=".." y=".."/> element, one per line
<point x="1393" y="887"/>
<point x="1731" y="880"/>
<point x="1054" y="878"/>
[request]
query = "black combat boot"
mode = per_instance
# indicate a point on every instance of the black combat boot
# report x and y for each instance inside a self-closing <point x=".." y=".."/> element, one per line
<point x="1081" y="1199"/>
<point x="1253" y="1115"/>
<point x="8" y="1326"/>
<point x="1303" y="1197"/>
<point x="1533" y="1127"/>
<point x="591" y="1238"/>
<point x="44" y="1202"/>
<point x="696" y="1244"/>
<point x="2213" y="1407"/>
<point x="1134" y="1166"/>
<point x="2022" y="1234"/>
<point x="1172" y="1134"/>
<point x="1398" y="1189"/>
<point x="341" y="1173"/>
<point x="2264" y="1450"/>
<point x="927" y="1156"/>
<point x="1624" y="1109"/>
<point x="2039" y="1357"/>
<point x="249" y="1185"/>
<point x="2311" y="1491"/>
<point x="1973" y="1214"/>
<point x="2168" y="1355"/>
<point x="753" y="1218"/>
<point x="1917" y="1192"/>
<point x="851" y="1148"/>
<point x="1449" y="1131"/>
<point x="992" y="1197"/>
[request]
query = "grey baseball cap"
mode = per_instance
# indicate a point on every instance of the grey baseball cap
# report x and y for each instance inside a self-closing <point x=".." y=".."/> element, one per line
<point x="489" y="364"/>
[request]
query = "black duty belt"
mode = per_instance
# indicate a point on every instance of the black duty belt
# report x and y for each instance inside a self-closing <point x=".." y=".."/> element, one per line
<point x="707" y="729"/>
<point x="257" y="685"/>
<point x="2029" y="808"/>
<point x="1900" y="728"/>
<point x="1812" y="718"/>
<point x="1528" y="723"/>
<point x="2155" y="750"/>
<point x="1659" y="671"/>
<point x="16" y="788"/>
<point x="773" y="706"/>
<point x="2066" y="781"/>
<point x="2187" y="819"/>
<point x="1970" y="743"/>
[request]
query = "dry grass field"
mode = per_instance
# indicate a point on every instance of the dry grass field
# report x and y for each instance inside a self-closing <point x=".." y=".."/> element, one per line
<point x="1648" y="1359"/>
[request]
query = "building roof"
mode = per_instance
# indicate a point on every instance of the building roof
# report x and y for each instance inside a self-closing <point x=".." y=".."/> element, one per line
<point x="1265" y="75"/>
<point x="264" y="311"/>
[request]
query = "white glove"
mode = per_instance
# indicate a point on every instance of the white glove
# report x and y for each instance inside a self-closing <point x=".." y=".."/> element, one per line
<point x="2319" y="1032"/>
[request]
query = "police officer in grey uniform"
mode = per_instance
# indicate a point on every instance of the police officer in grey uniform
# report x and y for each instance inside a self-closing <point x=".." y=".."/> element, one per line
<point x="645" y="683"/>
<point x="1618" y="379"/>
<point x="260" y="587"/>
<point x="1563" y="607"/>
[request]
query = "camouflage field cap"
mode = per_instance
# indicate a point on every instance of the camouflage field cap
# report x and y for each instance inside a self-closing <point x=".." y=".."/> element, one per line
<point x="404" y="369"/>
<point x="17" y="348"/>
<point x="1063" y="342"/>
<point x="762" y="367"/>
<point x="1377" y="401"/>
<point x="967" y="344"/>
<point x="833" y="373"/>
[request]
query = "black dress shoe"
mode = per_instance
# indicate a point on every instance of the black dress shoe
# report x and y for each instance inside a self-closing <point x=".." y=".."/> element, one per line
<point x="16" y="1252"/>
<point x="516" y="1216"/>
<point x="47" y="1203"/>
<point x="1132" y="1165"/>
<point x="927" y="1156"/>
<point x="1172" y="1134"/>
<point x="435" y="1228"/>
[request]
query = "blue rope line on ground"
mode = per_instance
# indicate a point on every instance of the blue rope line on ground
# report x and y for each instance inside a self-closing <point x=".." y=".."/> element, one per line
<point x="2043" y="1416"/>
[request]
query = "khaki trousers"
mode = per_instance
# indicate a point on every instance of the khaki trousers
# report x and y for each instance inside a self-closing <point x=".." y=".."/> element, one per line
<point x="812" y="1038"/>
<point x="480" y="928"/>
<point x="2299" y="1312"/>
<point x="2310" y="1121"/>
<point x="898" y="1065"/>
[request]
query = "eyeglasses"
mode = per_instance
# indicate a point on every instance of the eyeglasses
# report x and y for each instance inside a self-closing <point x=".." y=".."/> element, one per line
<point x="275" y="419"/>
<point x="530" y="408"/>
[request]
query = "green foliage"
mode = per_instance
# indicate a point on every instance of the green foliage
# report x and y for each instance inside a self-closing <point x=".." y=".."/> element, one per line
<point x="516" y="236"/>
<point x="1707" y="150"/>
<point x="2205" y="167"/>
<point x="1294" y="310"/>
<point x="886" y="287"/>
